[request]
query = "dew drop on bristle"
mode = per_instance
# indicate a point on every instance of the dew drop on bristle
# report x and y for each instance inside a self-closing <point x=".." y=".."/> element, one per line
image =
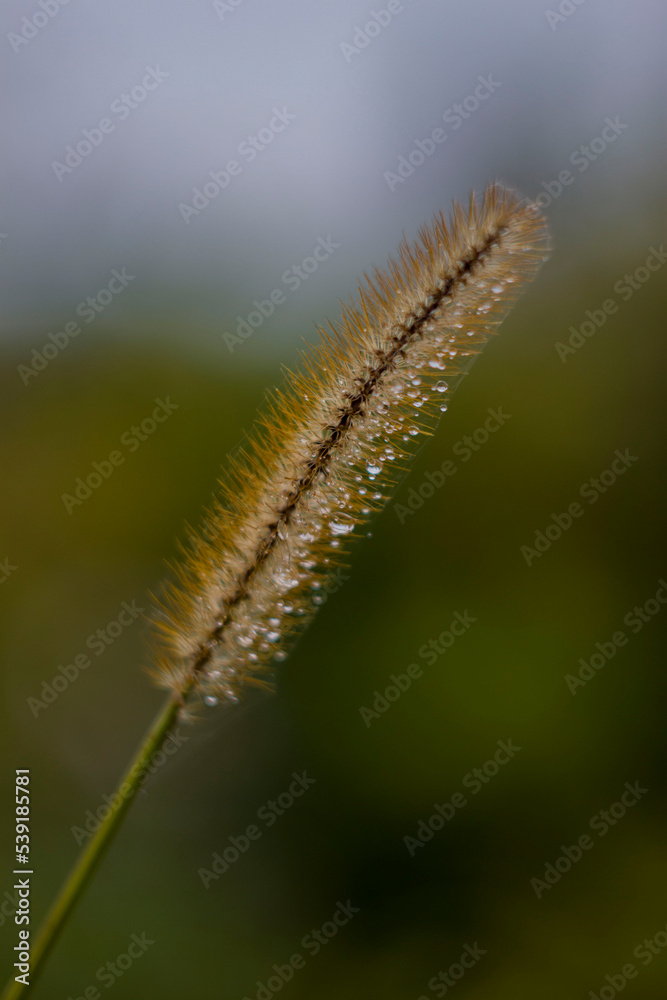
<point x="342" y="525"/>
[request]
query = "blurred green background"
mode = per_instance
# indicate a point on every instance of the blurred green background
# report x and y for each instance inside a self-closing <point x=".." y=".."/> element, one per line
<point x="344" y="839"/>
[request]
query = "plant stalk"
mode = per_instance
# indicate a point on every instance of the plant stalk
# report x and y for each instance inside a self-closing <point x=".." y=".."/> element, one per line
<point x="90" y="858"/>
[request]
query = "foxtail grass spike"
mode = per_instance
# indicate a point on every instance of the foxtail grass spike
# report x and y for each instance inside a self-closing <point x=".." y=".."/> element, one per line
<point x="330" y="447"/>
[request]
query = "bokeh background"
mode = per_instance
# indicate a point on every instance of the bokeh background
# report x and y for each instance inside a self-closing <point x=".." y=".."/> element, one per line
<point x="562" y="71"/>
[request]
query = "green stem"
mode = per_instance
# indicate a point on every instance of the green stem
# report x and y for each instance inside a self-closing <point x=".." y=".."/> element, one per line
<point x="90" y="858"/>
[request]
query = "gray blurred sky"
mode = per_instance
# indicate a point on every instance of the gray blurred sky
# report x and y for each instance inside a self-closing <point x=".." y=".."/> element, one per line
<point x="324" y="174"/>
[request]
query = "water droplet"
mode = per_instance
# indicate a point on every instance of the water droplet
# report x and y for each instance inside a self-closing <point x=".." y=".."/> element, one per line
<point x="437" y="363"/>
<point x="342" y="526"/>
<point x="272" y="636"/>
<point x="280" y="656"/>
<point x="373" y="469"/>
<point x="211" y="700"/>
<point x="441" y="387"/>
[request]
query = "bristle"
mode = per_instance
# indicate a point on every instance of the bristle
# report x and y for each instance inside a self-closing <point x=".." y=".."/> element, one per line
<point x="326" y="452"/>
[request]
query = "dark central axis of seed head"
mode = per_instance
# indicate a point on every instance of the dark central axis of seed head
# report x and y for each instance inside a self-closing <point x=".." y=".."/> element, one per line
<point x="411" y="329"/>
